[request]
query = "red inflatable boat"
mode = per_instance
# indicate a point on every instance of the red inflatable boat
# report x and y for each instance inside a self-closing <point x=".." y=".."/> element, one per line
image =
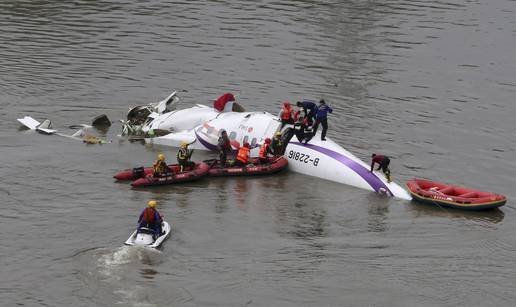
<point x="432" y="192"/>
<point x="140" y="172"/>
<point x="255" y="167"/>
<point x="200" y="170"/>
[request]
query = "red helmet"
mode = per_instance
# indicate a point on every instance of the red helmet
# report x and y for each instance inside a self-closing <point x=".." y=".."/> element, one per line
<point x="267" y="141"/>
<point x="286" y="104"/>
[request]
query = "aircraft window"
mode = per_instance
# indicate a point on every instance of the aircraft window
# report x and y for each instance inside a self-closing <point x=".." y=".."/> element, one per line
<point x="246" y="138"/>
<point x="210" y="130"/>
<point x="232" y="135"/>
<point x="253" y="142"/>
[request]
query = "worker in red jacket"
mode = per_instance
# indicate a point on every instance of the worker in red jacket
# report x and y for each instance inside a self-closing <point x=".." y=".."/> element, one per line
<point x="383" y="163"/>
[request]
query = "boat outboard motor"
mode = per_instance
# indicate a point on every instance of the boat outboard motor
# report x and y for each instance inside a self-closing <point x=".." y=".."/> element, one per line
<point x="138" y="172"/>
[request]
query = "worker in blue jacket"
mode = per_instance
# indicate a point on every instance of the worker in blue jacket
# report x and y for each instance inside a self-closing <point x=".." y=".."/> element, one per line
<point x="321" y="117"/>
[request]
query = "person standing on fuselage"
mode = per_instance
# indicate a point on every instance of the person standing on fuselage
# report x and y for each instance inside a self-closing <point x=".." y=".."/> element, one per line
<point x="322" y="118"/>
<point x="286" y="114"/>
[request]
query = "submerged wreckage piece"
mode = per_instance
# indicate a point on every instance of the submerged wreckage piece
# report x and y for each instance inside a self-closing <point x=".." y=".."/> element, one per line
<point x="45" y="128"/>
<point x="33" y="124"/>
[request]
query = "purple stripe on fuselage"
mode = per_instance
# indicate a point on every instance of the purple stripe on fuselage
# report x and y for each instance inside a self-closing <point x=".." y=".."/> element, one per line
<point x="369" y="177"/>
<point x="205" y="143"/>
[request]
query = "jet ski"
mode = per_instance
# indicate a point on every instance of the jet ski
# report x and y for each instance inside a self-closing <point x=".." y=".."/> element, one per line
<point x="145" y="236"/>
<point x="200" y="170"/>
<point x="254" y="168"/>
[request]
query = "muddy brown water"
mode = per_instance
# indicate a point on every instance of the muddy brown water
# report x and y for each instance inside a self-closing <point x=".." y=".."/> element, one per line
<point x="430" y="83"/>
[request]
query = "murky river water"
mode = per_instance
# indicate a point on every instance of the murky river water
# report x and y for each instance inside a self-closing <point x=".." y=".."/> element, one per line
<point x="430" y="83"/>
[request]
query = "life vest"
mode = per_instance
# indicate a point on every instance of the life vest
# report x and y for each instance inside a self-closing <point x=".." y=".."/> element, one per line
<point x="263" y="151"/>
<point x="243" y="154"/>
<point x="286" y="112"/>
<point x="149" y="215"/>
<point x="160" y="167"/>
<point x="182" y="154"/>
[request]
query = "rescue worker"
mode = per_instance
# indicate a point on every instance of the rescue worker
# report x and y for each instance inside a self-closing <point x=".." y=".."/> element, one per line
<point x="286" y="114"/>
<point x="160" y="167"/>
<point x="265" y="150"/>
<point x="150" y="218"/>
<point x="243" y="155"/>
<point x="303" y="130"/>
<point x="224" y="147"/>
<point x="383" y="162"/>
<point x="321" y="117"/>
<point x="277" y="144"/>
<point x="309" y="107"/>
<point x="184" y="155"/>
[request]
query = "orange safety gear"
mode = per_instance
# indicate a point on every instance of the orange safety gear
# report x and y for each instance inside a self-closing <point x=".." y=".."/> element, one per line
<point x="263" y="151"/>
<point x="286" y="112"/>
<point x="243" y="154"/>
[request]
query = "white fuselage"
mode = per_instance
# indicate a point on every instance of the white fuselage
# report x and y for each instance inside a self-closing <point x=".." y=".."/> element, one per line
<point x="323" y="159"/>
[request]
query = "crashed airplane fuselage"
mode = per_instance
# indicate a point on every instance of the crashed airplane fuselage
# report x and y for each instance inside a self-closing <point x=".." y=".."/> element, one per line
<point x="201" y="125"/>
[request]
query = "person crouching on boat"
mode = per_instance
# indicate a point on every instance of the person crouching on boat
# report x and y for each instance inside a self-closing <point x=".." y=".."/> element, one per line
<point x="224" y="147"/>
<point x="265" y="151"/>
<point x="383" y="162"/>
<point x="286" y="114"/>
<point x="150" y="218"/>
<point x="184" y="155"/>
<point x="160" y="167"/>
<point x="243" y="155"/>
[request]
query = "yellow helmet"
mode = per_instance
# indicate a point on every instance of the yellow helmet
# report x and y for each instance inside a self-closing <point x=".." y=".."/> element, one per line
<point x="152" y="203"/>
<point x="161" y="157"/>
<point x="278" y="133"/>
<point x="184" y="144"/>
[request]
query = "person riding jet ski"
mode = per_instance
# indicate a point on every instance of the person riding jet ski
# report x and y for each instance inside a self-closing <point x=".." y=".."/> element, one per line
<point x="160" y="166"/>
<point x="184" y="155"/>
<point x="150" y="218"/>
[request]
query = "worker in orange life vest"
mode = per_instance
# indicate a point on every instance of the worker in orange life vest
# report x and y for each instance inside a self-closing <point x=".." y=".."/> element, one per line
<point x="243" y="155"/>
<point x="286" y="114"/>
<point x="150" y="218"/>
<point x="265" y="150"/>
